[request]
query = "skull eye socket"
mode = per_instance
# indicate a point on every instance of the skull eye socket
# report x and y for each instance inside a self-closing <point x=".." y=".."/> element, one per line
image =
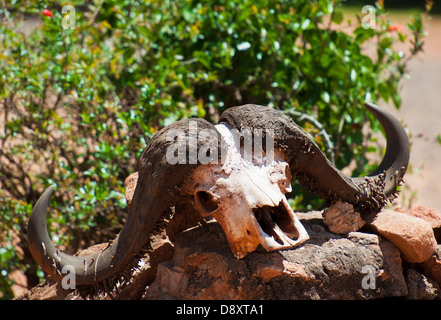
<point x="206" y="202"/>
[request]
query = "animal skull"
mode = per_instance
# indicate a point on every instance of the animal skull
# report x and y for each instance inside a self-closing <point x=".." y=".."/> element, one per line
<point x="248" y="199"/>
<point x="245" y="194"/>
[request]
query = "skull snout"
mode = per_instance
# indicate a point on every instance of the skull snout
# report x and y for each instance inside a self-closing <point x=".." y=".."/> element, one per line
<point x="274" y="227"/>
<point x="248" y="200"/>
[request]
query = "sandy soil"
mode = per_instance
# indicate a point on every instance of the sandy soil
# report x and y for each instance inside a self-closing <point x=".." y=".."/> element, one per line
<point x="421" y="112"/>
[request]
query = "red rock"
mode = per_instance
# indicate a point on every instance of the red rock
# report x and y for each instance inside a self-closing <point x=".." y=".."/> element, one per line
<point x="341" y="218"/>
<point x="327" y="267"/>
<point x="430" y="215"/>
<point x="201" y="266"/>
<point x="413" y="236"/>
<point x="432" y="267"/>
<point x="270" y="266"/>
<point x="420" y="287"/>
<point x="400" y="209"/>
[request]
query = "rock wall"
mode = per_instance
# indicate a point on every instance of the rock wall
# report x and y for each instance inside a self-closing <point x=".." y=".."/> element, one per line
<point x="328" y="266"/>
<point x="394" y="254"/>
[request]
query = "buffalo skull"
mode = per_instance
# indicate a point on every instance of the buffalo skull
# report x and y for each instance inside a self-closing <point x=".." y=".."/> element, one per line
<point x="246" y="194"/>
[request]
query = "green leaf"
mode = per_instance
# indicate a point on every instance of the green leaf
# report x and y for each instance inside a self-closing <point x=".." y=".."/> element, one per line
<point x="305" y="24"/>
<point x="337" y="17"/>
<point x="361" y="34"/>
<point x="396" y="98"/>
<point x="383" y="89"/>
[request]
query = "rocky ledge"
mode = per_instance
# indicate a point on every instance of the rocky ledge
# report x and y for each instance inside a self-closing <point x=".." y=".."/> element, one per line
<point x="355" y="265"/>
<point x="390" y="254"/>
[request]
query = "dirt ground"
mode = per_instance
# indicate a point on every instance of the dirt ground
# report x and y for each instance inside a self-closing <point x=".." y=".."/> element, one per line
<point x="421" y="112"/>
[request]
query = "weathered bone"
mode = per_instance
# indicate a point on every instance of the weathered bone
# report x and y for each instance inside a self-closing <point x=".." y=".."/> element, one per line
<point x="232" y="192"/>
<point x="245" y="194"/>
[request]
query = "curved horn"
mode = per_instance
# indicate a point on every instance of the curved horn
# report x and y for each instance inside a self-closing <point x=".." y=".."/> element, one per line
<point x="396" y="158"/>
<point x="314" y="171"/>
<point x="158" y="188"/>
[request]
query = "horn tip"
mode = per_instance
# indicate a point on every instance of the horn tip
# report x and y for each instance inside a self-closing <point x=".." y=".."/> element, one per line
<point x="43" y="201"/>
<point x="370" y="106"/>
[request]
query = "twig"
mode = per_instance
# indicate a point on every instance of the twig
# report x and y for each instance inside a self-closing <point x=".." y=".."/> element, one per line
<point x="96" y="12"/>
<point x="6" y="12"/>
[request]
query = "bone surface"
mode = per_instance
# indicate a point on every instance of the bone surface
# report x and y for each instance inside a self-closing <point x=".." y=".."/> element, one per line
<point x="249" y="197"/>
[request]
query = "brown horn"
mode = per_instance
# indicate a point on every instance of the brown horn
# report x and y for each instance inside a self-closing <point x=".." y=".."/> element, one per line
<point x="396" y="158"/>
<point x="158" y="188"/>
<point x="314" y="171"/>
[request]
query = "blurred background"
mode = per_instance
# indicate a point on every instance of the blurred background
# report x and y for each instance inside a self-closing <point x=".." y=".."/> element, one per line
<point x="81" y="95"/>
<point x="421" y="106"/>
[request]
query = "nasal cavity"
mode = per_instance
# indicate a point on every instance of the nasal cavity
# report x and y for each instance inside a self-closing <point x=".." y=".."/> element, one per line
<point x="206" y="202"/>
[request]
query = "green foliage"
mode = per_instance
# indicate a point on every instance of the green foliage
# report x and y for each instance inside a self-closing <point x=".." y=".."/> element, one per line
<point x="79" y="105"/>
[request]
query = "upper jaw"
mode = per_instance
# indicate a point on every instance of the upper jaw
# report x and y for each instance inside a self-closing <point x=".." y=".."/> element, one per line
<point x="274" y="227"/>
<point x="278" y="227"/>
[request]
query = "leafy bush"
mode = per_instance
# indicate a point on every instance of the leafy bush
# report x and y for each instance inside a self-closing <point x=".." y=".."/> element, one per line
<point x="77" y="106"/>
